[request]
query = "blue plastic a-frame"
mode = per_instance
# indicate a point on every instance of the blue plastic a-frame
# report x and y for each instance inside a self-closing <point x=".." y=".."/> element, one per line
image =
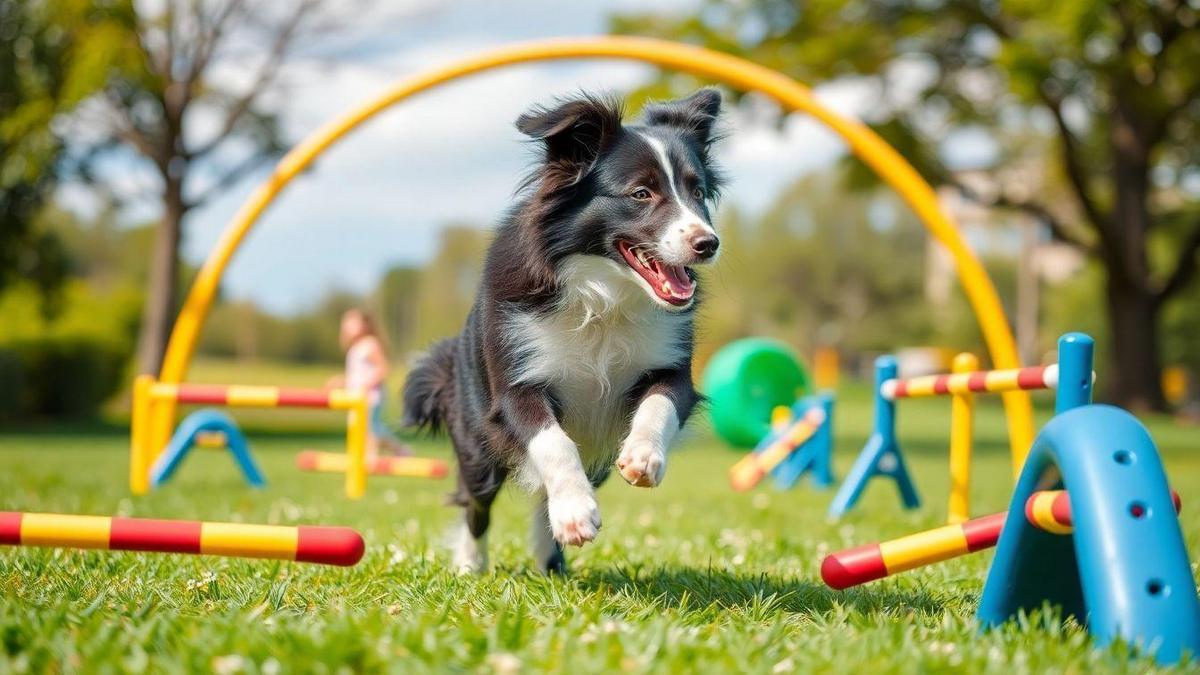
<point x="815" y="455"/>
<point x="1125" y="570"/>
<point x="881" y="455"/>
<point x="196" y="424"/>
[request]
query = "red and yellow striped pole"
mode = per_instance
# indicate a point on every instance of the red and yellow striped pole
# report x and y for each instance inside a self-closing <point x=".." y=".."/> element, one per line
<point x="753" y="467"/>
<point x="323" y="545"/>
<point x="978" y="381"/>
<point x="411" y="467"/>
<point x="1048" y="510"/>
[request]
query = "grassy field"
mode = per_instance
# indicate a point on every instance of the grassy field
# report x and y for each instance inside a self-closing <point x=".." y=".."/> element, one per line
<point x="689" y="577"/>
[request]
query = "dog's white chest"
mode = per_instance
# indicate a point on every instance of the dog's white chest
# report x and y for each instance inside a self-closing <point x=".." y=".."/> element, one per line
<point x="603" y="337"/>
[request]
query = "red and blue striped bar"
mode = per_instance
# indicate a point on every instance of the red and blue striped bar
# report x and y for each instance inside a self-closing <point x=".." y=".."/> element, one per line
<point x="340" y="546"/>
<point x="980" y="381"/>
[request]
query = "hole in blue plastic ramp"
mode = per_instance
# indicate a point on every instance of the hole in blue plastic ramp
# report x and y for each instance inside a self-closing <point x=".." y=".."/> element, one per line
<point x="1157" y="588"/>
<point x="1138" y="509"/>
<point x="1124" y="457"/>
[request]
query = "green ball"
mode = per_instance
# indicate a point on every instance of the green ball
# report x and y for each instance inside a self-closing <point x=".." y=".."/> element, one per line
<point x="744" y="381"/>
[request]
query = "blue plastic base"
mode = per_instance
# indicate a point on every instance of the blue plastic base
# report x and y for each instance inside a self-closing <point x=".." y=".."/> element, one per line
<point x="1126" y="575"/>
<point x="878" y="458"/>
<point x="199" y="422"/>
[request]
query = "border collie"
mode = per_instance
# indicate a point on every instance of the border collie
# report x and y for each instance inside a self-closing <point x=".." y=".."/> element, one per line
<point x="578" y="350"/>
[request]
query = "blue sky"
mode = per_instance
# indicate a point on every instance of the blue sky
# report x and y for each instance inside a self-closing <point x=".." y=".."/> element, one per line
<point x="381" y="196"/>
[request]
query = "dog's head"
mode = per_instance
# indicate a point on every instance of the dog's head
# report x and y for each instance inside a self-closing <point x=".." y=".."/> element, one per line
<point x="638" y="195"/>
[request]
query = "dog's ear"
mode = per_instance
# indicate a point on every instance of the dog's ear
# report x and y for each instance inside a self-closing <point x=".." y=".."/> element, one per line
<point x="574" y="131"/>
<point x="696" y="114"/>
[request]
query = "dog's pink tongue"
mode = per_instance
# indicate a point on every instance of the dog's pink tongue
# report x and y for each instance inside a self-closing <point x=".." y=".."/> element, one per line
<point x="677" y="278"/>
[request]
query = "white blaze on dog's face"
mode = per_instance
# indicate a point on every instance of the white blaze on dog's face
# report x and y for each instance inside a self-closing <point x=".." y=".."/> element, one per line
<point x="637" y="195"/>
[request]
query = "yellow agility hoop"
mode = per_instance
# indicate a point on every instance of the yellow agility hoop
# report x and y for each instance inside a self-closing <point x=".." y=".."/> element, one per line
<point x="704" y="63"/>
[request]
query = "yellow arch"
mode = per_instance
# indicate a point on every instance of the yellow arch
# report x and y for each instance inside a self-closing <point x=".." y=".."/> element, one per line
<point x="735" y="72"/>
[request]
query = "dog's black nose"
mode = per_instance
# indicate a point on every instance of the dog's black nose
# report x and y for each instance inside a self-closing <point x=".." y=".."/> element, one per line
<point x="705" y="244"/>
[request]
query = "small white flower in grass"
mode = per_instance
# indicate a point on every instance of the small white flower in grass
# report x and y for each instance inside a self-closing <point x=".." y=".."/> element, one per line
<point x="739" y="559"/>
<point x="504" y="662"/>
<point x="125" y="508"/>
<point x="942" y="647"/>
<point x="784" y="666"/>
<point x="761" y="501"/>
<point x="391" y="497"/>
<point x="271" y="667"/>
<point x="650" y="541"/>
<point x="228" y="665"/>
<point x="645" y="519"/>
<point x="846" y="531"/>
<point x="611" y="627"/>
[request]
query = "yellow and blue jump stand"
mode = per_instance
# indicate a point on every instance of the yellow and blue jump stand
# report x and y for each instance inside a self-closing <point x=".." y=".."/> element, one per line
<point x="193" y="427"/>
<point x="1125" y="570"/>
<point x="814" y="456"/>
<point x="881" y="455"/>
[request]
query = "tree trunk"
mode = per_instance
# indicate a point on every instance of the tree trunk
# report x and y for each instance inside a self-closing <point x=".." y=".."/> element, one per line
<point x="1135" y="368"/>
<point x="158" y="314"/>
<point x="1133" y="308"/>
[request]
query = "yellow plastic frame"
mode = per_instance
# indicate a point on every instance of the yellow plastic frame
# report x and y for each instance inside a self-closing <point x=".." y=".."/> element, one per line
<point x="704" y="63"/>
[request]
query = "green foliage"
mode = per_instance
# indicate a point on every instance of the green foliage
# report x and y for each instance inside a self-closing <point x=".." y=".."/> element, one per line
<point x="71" y="364"/>
<point x="688" y="577"/>
<point x="820" y="267"/>
<point x="53" y="55"/>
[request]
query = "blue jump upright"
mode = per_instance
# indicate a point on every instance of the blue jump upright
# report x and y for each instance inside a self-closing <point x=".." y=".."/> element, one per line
<point x="815" y="455"/>
<point x="199" y="422"/>
<point x="881" y="456"/>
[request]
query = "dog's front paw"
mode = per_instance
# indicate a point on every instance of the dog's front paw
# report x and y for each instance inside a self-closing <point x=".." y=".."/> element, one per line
<point x="574" y="518"/>
<point x="642" y="463"/>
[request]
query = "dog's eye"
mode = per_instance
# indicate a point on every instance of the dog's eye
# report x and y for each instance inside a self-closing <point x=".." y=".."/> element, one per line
<point x="698" y="194"/>
<point x="641" y="194"/>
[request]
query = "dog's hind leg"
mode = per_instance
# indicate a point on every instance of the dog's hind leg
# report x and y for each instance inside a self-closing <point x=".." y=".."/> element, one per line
<point x="476" y="494"/>
<point x="547" y="552"/>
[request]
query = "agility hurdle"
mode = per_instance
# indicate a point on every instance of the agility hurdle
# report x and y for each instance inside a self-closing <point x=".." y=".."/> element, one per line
<point x="1047" y="510"/>
<point x="800" y="441"/>
<point x="1071" y="378"/>
<point x="154" y="405"/>
<point x="322" y="545"/>
<point x="337" y="462"/>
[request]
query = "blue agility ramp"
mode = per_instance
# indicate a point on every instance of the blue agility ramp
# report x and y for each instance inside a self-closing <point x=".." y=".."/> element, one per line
<point x="881" y="456"/>
<point x="1125" y="570"/>
<point x="815" y="455"/>
<point x="199" y="423"/>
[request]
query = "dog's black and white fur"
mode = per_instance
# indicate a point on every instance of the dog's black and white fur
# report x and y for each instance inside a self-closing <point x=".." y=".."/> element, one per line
<point x="578" y="349"/>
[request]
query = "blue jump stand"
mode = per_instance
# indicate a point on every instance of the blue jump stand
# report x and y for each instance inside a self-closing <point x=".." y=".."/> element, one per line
<point x="881" y="455"/>
<point x="204" y="421"/>
<point x="814" y="455"/>
<point x="1125" y="570"/>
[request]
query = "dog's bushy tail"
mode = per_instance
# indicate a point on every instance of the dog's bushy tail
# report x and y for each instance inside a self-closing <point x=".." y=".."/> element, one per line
<point x="429" y="388"/>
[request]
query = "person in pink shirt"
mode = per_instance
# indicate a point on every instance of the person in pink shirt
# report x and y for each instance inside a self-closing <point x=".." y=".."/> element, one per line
<point x="367" y="371"/>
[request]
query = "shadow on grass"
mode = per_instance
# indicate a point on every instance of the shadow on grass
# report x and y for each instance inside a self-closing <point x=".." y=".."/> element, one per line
<point x="693" y="590"/>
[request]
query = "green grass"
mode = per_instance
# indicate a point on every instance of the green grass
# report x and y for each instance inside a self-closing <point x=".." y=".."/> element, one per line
<point x="689" y="577"/>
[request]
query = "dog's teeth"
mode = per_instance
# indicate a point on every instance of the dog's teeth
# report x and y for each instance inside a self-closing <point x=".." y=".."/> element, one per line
<point x="666" y="288"/>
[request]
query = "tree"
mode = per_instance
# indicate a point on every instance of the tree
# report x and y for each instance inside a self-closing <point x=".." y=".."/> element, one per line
<point x="154" y="111"/>
<point x="53" y="55"/>
<point x="1112" y="86"/>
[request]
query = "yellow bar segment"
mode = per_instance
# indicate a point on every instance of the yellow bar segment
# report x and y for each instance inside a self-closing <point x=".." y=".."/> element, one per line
<point x="962" y="408"/>
<point x="140" y="455"/>
<point x="49" y="529"/>
<point x="242" y="395"/>
<point x="921" y="386"/>
<point x="356" y="449"/>
<point x="249" y="541"/>
<point x="1042" y="503"/>
<point x="923" y="548"/>
<point x="1002" y="380"/>
<point x="344" y="399"/>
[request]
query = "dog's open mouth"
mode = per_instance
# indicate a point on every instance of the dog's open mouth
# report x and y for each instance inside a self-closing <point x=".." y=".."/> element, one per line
<point x="671" y="283"/>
